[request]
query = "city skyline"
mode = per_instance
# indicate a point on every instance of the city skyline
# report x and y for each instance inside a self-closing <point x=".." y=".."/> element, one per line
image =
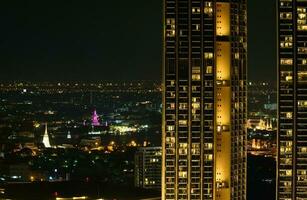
<point x="94" y="41"/>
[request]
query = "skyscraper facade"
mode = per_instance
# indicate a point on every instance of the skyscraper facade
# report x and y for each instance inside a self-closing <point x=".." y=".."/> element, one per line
<point x="204" y="98"/>
<point x="292" y="100"/>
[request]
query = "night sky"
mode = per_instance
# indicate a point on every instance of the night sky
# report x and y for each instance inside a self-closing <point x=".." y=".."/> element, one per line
<point x="98" y="39"/>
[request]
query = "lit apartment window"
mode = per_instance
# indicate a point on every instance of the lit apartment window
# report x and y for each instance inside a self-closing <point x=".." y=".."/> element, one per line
<point x="196" y="106"/>
<point x="183" y="106"/>
<point x="170" y="140"/>
<point x="302" y="149"/>
<point x="289" y="133"/>
<point x="302" y="104"/>
<point x="208" y="55"/>
<point x="288" y="78"/>
<point x="194" y="88"/>
<point x="183" y="174"/>
<point x="208" y="146"/>
<point x="208" y="157"/>
<point x="285" y="15"/>
<point x="195" y="149"/>
<point x="289" y="115"/>
<point x="286" y="147"/>
<point x="209" y="70"/>
<point x="302" y="49"/>
<point x="286" y="161"/>
<point x="196" y="10"/>
<point x="170" y="128"/>
<point x="237" y="55"/>
<point x="301" y="19"/>
<point x="208" y="8"/>
<point x="196" y="74"/>
<point x="286" y="61"/>
<point x="286" y="42"/>
<point x="183" y="148"/>
<point x="208" y="106"/>
<point x="170" y="27"/>
<point x="287" y="184"/>
<point x="197" y="27"/>
<point x="183" y="122"/>
<point x="286" y="173"/>
<point x="172" y="83"/>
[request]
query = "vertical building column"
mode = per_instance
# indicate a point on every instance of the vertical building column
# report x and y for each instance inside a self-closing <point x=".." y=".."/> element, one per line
<point x="223" y="98"/>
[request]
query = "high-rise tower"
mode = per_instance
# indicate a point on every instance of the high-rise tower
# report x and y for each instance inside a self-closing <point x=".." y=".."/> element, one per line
<point x="292" y="100"/>
<point x="204" y="98"/>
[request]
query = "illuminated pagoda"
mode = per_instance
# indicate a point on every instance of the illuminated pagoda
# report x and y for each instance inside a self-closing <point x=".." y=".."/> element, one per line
<point x="96" y="128"/>
<point x="46" y="140"/>
<point x="95" y="119"/>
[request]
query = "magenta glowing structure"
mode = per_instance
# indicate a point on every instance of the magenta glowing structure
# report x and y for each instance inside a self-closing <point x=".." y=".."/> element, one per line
<point x="95" y="119"/>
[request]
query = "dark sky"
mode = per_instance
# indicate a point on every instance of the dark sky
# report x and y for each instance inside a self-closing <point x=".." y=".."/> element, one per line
<point x="99" y="39"/>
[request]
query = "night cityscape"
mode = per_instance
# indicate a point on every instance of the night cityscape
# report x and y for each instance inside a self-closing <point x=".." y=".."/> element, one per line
<point x="153" y="100"/>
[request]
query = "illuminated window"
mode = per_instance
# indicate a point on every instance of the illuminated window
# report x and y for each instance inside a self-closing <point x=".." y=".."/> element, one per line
<point x="197" y="27"/>
<point x="183" y="174"/>
<point x="172" y="83"/>
<point x="301" y="19"/>
<point x="302" y="49"/>
<point x="183" y="106"/>
<point x="285" y="161"/>
<point x="196" y="106"/>
<point x="289" y="132"/>
<point x="286" y="173"/>
<point x="286" y="61"/>
<point x="208" y="10"/>
<point x="183" y="122"/>
<point x="302" y="149"/>
<point x="287" y="183"/>
<point x="208" y="146"/>
<point x="209" y="70"/>
<point x="289" y="78"/>
<point x="302" y="172"/>
<point x="208" y="55"/>
<point x="237" y="56"/>
<point x="195" y="149"/>
<point x="170" y="140"/>
<point x="208" y="106"/>
<point x="286" y="147"/>
<point x="172" y="106"/>
<point x="285" y="15"/>
<point x="302" y="104"/>
<point x="170" y="27"/>
<point x="286" y="42"/>
<point x="208" y="157"/>
<point x="196" y="10"/>
<point x="196" y="73"/>
<point x="170" y="128"/>
<point x="289" y="115"/>
<point x="183" y="148"/>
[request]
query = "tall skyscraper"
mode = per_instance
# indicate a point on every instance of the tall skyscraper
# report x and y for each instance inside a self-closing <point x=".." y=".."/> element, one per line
<point x="204" y="98"/>
<point x="292" y="100"/>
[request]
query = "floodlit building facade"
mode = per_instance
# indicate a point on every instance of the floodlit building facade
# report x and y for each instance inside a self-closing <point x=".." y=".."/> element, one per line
<point x="204" y="98"/>
<point x="292" y="100"/>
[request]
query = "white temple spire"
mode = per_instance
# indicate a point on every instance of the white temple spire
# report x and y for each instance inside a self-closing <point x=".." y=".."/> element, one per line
<point x="46" y="141"/>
